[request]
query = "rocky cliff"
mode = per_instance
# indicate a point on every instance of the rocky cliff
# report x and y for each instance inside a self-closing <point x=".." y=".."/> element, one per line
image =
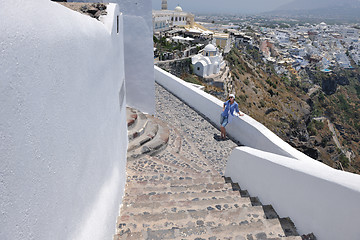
<point x="314" y="112"/>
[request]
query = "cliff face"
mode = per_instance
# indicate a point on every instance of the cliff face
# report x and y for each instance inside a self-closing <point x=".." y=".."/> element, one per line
<point x="176" y="67"/>
<point x="314" y="112"/>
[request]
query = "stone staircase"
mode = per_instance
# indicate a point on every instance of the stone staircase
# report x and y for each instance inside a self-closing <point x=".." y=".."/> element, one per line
<point x="173" y="192"/>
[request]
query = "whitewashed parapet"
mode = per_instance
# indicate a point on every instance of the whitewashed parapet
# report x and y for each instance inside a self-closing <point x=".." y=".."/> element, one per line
<point x="318" y="198"/>
<point x="244" y="129"/>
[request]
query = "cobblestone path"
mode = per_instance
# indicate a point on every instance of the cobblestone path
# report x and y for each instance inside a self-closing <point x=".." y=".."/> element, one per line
<point x="194" y="127"/>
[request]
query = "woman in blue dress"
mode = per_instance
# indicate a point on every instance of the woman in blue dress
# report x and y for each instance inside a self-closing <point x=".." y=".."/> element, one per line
<point x="230" y="106"/>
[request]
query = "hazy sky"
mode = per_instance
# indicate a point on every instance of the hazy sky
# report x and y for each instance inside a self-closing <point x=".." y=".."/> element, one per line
<point x="223" y="6"/>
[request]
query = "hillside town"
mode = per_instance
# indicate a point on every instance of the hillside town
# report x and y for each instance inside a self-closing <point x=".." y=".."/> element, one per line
<point x="309" y="55"/>
<point x="289" y="48"/>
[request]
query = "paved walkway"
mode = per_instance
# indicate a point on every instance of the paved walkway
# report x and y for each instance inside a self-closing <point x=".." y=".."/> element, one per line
<point x="194" y="127"/>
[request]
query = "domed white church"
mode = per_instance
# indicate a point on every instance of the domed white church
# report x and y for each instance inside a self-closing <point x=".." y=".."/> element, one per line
<point x="209" y="62"/>
<point x="165" y="19"/>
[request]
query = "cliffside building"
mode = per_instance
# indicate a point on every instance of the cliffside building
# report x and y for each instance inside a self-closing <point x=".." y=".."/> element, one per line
<point x="164" y="20"/>
<point x="208" y="62"/>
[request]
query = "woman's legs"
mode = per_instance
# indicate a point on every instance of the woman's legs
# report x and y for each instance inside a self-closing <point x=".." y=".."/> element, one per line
<point x="223" y="132"/>
<point x="223" y="122"/>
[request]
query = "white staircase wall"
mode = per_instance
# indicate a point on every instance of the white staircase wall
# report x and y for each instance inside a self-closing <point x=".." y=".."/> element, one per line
<point x="62" y="122"/>
<point x="139" y="52"/>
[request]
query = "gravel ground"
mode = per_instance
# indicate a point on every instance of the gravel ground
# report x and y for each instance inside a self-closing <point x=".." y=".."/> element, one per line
<point x="195" y="128"/>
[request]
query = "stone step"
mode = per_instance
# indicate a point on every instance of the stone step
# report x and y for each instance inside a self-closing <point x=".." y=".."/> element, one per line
<point x="146" y="198"/>
<point x="288" y="227"/>
<point x="148" y="134"/>
<point x="178" y="188"/>
<point x="183" y="218"/>
<point x="186" y="154"/>
<point x="182" y="180"/>
<point x="148" y="141"/>
<point x="138" y="128"/>
<point x="155" y="144"/>
<point x="174" y="234"/>
<point x="150" y="165"/>
<point x="152" y="176"/>
<point x="177" y="159"/>
<point x="131" y="117"/>
<point x="175" y="205"/>
<point x="270" y="212"/>
<point x="159" y="175"/>
<point x="257" y="230"/>
<point x="261" y="229"/>
<point x="190" y="151"/>
<point x="192" y="161"/>
<point x="175" y="139"/>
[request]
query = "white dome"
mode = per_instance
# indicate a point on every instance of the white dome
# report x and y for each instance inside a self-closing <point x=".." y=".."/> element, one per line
<point x="178" y="9"/>
<point x="210" y="48"/>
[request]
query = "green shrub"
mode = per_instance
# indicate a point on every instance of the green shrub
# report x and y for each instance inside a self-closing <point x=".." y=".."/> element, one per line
<point x="311" y="130"/>
<point x="243" y="97"/>
<point x="271" y="92"/>
<point x="262" y="103"/>
<point x="344" y="160"/>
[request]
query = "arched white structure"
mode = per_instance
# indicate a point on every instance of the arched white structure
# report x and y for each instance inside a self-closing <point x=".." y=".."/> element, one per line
<point x="208" y="62"/>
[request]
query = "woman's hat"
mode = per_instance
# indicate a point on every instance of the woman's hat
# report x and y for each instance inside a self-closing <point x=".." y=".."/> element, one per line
<point x="232" y="95"/>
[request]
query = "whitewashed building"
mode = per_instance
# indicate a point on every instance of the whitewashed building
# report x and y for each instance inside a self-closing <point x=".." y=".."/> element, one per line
<point x="208" y="62"/>
<point x="163" y="20"/>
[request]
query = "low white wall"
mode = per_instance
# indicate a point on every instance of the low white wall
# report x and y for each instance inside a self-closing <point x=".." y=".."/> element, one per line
<point x="62" y="122"/>
<point x="244" y="129"/>
<point x="318" y="198"/>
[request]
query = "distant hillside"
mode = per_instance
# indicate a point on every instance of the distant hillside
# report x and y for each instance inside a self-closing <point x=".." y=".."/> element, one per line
<point x="300" y="112"/>
<point x="318" y="4"/>
<point x="344" y="9"/>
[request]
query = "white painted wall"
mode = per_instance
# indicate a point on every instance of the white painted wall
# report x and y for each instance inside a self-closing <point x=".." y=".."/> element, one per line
<point x="318" y="198"/>
<point x="62" y="128"/>
<point x="139" y="54"/>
